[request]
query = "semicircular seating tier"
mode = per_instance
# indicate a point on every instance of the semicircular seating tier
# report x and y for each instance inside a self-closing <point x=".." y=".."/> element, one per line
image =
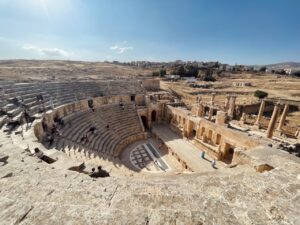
<point x="15" y="95"/>
<point x="124" y="128"/>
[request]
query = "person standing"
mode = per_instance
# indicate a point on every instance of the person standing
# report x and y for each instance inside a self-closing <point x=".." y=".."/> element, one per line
<point x="213" y="164"/>
<point x="203" y="155"/>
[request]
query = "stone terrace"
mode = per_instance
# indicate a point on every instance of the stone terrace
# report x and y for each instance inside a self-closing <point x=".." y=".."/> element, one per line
<point x="34" y="192"/>
<point x="60" y="92"/>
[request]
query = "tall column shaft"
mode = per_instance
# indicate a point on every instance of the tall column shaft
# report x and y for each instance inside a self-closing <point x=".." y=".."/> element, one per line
<point x="227" y="101"/>
<point x="210" y="113"/>
<point x="283" y="117"/>
<point x="200" y="110"/>
<point x="272" y="122"/>
<point x="231" y="106"/>
<point x="261" y="112"/>
<point x="212" y="100"/>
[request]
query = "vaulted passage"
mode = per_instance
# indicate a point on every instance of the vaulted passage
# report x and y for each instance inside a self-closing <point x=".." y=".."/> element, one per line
<point x="145" y="121"/>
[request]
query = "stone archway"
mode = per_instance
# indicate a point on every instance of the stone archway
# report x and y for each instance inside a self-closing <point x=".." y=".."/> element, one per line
<point x="228" y="153"/>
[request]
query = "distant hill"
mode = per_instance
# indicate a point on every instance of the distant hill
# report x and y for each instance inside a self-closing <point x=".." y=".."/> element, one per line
<point x="48" y="69"/>
<point x="284" y="65"/>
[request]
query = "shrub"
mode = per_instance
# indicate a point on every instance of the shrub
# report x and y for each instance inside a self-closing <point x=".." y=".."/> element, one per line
<point x="263" y="69"/>
<point x="260" y="94"/>
<point x="207" y="76"/>
<point x="296" y="73"/>
<point x="162" y="72"/>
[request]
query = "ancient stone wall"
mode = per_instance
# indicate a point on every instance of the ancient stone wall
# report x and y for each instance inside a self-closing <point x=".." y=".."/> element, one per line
<point x="153" y="111"/>
<point x="213" y="137"/>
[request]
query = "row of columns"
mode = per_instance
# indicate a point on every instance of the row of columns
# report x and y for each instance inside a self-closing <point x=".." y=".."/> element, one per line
<point x="275" y="115"/>
<point x="229" y="106"/>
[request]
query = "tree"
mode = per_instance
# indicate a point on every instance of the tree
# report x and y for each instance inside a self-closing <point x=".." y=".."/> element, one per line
<point x="162" y="72"/>
<point x="263" y="69"/>
<point x="190" y="71"/>
<point x="296" y="73"/>
<point x="178" y="70"/>
<point x="260" y="94"/>
<point x="207" y="76"/>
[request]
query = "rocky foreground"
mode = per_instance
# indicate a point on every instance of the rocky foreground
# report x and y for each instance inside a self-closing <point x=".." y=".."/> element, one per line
<point x="34" y="192"/>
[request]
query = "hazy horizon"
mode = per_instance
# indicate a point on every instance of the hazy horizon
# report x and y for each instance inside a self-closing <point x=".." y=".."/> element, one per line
<point x="232" y="32"/>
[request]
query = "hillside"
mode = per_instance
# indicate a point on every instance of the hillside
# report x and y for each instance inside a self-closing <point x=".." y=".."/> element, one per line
<point x="285" y="65"/>
<point x="48" y="69"/>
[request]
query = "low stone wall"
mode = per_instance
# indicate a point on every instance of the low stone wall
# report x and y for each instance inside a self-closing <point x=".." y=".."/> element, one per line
<point x="127" y="141"/>
<point x="170" y="151"/>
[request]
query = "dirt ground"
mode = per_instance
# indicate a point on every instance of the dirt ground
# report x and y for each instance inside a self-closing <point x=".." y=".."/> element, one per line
<point x="65" y="70"/>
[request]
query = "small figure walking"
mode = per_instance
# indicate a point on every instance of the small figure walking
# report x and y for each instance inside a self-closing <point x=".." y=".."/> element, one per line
<point x="213" y="164"/>
<point x="203" y="155"/>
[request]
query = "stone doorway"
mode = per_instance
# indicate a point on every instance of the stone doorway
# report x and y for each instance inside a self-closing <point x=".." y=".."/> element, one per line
<point x="228" y="153"/>
<point x="144" y="121"/>
<point x="153" y="116"/>
<point x="194" y="133"/>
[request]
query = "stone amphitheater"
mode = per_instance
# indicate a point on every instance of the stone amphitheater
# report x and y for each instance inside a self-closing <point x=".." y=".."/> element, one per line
<point x="126" y="152"/>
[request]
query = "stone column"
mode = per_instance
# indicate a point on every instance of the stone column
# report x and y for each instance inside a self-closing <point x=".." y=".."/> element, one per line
<point x="227" y="101"/>
<point x="261" y="112"/>
<point x="200" y="110"/>
<point x="198" y="99"/>
<point x="213" y="95"/>
<point x="282" y="118"/>
<point x="272" y="122"/>
<point x="210" y="113"/>
<point x="231" y="106"/>
<point x="243" y="118"/>
<point x="221" y="118"/>
<point x="188" y="128"/>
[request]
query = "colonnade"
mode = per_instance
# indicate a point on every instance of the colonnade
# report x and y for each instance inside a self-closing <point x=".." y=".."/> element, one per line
<point x="275" y="114"/>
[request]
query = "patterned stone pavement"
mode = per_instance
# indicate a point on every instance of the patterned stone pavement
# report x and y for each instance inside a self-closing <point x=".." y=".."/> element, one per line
<point x="140" y="157"/>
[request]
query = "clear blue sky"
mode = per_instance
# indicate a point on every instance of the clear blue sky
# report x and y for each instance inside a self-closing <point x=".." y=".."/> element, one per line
<point x="231" y="31"/>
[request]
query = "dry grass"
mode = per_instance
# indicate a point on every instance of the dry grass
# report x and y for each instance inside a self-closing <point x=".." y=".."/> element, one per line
<point x="35" y="69"/>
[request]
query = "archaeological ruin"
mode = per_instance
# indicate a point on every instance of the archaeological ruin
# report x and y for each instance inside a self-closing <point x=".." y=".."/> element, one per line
<point x="126" y="151"/>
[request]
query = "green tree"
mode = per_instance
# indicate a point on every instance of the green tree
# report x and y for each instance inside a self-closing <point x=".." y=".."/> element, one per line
<point x="263" y="69"/>
<point x="162" y="72"/>
<point x="260" y="94"/>
<point x="178" y="70"/>
<point x="207" y="76"/>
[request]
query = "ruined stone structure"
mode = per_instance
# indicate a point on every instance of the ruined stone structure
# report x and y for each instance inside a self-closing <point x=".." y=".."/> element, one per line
<point x="166" y="164"/>
<point x="277" y="123"/>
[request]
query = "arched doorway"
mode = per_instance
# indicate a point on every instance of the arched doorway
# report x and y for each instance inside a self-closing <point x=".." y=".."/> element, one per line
<point x="144" y="121"/>
<point x="194" y="133"/>
<point x="228" y="153"/>
<point x="153" y="116"/>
